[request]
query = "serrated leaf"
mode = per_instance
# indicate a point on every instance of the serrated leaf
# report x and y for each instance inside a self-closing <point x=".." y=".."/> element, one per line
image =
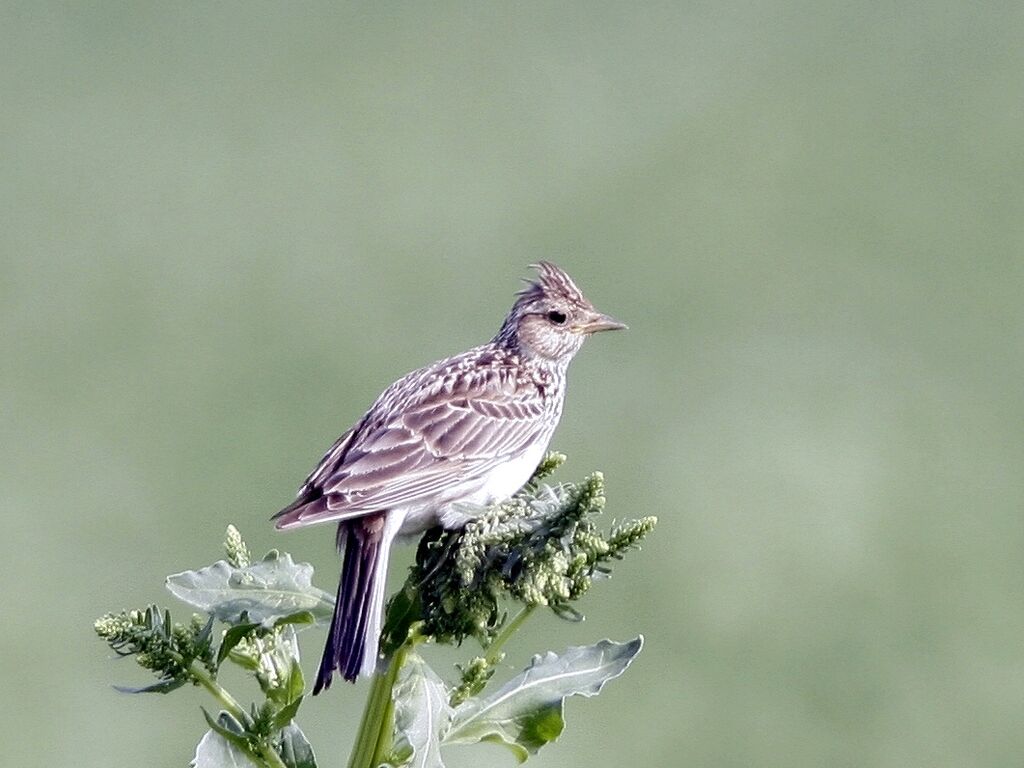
<point x="422" y="714"/>
<point x="215" y="751"/>
<point x="294" y="748"/>
<point x="527" y="712"/>
<point x="272" y="589"/>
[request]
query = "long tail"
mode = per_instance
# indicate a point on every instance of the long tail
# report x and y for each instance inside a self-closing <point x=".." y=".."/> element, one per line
<point x="355" y="628"/>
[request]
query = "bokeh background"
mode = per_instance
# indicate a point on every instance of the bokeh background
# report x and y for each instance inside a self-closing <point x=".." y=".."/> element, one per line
<point x="225" y="227"/>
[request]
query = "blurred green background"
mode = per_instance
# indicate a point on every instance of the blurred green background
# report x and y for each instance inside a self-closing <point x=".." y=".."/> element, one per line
<point x="226" y="227"/>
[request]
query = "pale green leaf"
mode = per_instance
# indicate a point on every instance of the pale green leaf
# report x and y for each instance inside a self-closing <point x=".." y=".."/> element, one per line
<point x="214" y="751"/>
<point x="422" y="714"/>
<point x="267" y="590"/>
<point x="526" y="712"/>
<point x="294" y="748"/>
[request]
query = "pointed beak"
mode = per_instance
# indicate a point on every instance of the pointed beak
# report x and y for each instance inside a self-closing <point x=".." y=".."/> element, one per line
<point x="599" y="322"/>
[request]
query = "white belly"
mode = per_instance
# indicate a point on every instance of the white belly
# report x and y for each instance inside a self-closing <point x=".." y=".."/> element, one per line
<point x="500" y="483"/>
<point x="507" y="478"/>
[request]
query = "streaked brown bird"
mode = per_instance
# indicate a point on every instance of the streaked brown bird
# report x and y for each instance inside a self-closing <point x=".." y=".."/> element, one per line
<point x="459" y="434"/>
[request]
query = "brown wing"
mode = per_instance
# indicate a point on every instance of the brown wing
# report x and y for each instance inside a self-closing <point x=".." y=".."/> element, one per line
<point x="431" y="448"/>
<point x="309" y="498"/>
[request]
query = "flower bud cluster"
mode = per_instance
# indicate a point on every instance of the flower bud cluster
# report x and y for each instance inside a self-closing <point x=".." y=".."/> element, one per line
<point x="158" y="645"/>
<point x="475" y="675"/>
<point x="235" y="548"/>
<point x="541" y="547"/>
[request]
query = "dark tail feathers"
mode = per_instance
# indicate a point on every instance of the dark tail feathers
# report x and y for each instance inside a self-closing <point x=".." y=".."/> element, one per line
<point x="363" y="543"/>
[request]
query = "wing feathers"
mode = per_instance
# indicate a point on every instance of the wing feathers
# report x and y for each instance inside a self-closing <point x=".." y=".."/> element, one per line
<point x="430" y="438"/>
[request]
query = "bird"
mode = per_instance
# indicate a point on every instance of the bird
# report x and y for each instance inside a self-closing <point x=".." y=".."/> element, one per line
<point x="455" y="436"/>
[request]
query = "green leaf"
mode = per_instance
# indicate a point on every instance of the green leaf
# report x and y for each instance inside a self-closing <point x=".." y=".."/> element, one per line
<point x="296" y="683"/>
<point x="526" y="712"/>
<point x="299" y="618"/>
<point x="567" y="612"/>
<point x="402" y="611"/>
<point x="227" y="727"/>
<point x="422" y="714"/>
<point x="272" y="589"/>
<point x="286" y="714"/>
<point x="232" y="637"/>
<point x="164" y="686"/>
<point x="294" y="748"/>
<point x="215" y="751"/>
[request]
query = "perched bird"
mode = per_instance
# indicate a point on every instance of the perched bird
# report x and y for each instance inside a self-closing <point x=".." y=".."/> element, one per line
<point x="456" y="435"/>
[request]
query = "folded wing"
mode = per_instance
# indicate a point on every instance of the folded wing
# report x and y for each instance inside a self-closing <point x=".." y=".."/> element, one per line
<point x="430" y="450"/>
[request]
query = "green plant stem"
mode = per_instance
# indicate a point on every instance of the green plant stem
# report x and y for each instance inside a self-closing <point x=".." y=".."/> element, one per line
<point x="200" y="674"/>
<point x="376" y="729"/>
<point x="370" y="725"/>
<point x="265" y="752"/>
<point x="385" y="736"/>
<point x="494" y="649"/>
<point x="269" y="754"/>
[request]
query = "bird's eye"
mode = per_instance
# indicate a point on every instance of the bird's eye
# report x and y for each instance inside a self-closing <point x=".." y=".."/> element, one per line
<point x="556" y="317"/>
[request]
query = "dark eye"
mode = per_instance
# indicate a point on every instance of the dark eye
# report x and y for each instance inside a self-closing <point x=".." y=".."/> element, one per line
<point x="556" y="317"/>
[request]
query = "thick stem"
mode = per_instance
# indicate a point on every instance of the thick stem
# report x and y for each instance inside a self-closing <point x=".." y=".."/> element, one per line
<point x="385" y="736"/>
<point x="199" y="673"/>
<point x="369" y="726"/>
<point x="269" y="754"/>
<point x="376" y="729"/>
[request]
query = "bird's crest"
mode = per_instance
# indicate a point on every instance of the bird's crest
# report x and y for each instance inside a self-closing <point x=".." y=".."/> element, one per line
<point x="551" y="281"/>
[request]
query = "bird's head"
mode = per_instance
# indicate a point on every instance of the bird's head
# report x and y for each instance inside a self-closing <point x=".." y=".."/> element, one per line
<point x="551" y="317"/>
